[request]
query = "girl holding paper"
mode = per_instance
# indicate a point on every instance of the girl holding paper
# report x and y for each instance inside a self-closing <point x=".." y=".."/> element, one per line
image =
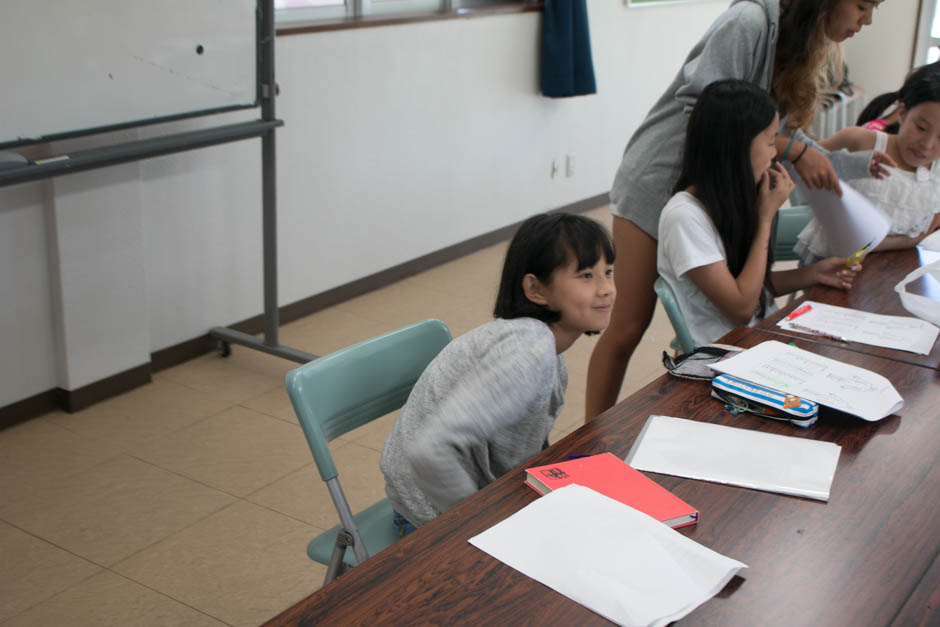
<point x="910" y="194"/>
<point x="714" y="233"/>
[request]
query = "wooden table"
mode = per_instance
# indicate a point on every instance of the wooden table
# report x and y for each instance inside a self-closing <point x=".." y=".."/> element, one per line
<point x="869" y="556"/>
<point x="873" y="292"/>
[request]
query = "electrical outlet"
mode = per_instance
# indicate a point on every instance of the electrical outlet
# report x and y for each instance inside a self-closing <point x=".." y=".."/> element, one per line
<point x="569" y="165"/>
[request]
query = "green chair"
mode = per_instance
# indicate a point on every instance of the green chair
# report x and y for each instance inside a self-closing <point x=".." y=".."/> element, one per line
<point x="668" y="299"/>
<point x="347" y="389"/>
<point x="790" y="221"/>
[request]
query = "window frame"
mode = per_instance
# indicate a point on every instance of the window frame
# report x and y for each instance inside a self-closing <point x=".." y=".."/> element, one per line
<point x="929" y="10"/>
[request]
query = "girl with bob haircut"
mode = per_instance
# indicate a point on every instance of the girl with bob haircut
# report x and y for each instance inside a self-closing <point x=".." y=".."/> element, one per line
<point x="714" y="233"/>
<point x="488" y="401"/>
<point x="910" y="193"/>
<point x="782" y="47"/>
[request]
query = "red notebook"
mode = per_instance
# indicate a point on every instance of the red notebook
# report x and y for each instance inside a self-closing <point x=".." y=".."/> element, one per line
<point x="611" y="476"/>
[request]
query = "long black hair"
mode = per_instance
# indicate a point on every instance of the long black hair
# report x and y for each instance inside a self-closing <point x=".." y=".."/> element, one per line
<point x="921" y="85"/>
<point x="716" y="161"/>
<point x="544" y="243"/>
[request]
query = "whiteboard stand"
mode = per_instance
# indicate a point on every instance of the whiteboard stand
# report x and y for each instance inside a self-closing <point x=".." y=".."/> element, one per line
<point x="224" y="335"/>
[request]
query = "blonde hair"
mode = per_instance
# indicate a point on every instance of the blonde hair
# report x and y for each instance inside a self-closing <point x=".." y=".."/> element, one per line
<point x="806" y="61"/>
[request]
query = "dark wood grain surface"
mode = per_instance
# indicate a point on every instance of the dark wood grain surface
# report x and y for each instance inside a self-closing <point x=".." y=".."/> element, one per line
<point x="873" y="292"/>
<point x="868" y="556"/>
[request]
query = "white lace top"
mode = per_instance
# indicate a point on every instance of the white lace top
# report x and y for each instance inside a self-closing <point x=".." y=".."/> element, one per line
<point x="910" y="198"/>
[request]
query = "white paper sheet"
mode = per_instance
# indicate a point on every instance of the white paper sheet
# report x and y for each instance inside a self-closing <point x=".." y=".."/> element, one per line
<point x="831" y="383"/>
<point x="741" y="457"/>
<point x="614" y="560"/>
<point x="849" y="222"/>
<point x="900" y="332"/>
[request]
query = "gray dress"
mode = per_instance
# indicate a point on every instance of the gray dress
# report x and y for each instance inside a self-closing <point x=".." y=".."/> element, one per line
<point x="739" y="44"/>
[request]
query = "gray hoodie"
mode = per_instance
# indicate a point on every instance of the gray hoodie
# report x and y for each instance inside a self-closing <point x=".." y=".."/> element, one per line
<point x="739" y="44"/>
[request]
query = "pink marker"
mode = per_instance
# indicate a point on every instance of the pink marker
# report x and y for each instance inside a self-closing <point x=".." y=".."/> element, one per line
<point x="796" y="313"/>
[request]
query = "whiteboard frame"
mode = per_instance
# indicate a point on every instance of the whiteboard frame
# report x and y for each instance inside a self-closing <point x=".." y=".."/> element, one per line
<point x="107" y="128"/>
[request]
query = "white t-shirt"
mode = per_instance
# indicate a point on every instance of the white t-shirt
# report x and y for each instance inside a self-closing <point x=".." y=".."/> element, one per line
<point x="688" y="239"/>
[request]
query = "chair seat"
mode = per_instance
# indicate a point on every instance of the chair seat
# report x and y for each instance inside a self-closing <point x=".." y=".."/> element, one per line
<point x="375" y="527"/>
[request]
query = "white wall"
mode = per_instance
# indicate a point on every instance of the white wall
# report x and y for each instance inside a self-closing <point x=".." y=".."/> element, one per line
<point x="881" y="55"/>
<point x="399" y="141"/>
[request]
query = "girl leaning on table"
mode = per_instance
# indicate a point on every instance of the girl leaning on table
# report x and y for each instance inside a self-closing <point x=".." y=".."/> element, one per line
<point x="779" y="45"/>
<point x="488" y="401"/>
<point x="910" y="192"/>
<point x="714" y="233"/>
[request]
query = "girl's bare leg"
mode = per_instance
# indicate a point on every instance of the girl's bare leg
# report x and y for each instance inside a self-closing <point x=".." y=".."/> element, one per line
<point x="634" y="275"/>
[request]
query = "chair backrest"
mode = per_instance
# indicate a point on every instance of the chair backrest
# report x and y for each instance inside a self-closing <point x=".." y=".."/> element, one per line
<point x="668" y="299"/>
<point x="357" y="384"/>
<point x="790" y="221"/>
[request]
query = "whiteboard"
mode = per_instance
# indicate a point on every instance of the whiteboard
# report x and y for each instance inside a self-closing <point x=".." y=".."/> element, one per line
<point x="73" y="66"/>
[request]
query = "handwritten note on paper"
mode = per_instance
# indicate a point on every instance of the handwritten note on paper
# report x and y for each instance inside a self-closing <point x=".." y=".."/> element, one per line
<point x="829" y="382"/>
<point x="900" y="332"/>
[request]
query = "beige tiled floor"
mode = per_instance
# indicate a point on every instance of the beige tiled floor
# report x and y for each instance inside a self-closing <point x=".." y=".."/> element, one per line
<point x="191" y="500"/>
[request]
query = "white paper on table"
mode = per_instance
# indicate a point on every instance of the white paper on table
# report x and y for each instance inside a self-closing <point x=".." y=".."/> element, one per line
<point x="931" y="242"/>
<point x="741" y="457"/>
<point x="900" y="332"/>
<point x="612" y="559"/>
<point x="849" y="222"/>
<point x="920" y="306"/>
<point x="829" y="382"/>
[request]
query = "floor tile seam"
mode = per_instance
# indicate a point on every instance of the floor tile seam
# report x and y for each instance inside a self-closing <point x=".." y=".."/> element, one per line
<point x="168" y="596"/>
<point x="176" y="532"/>
<point x="240" y="497"/>
<point x="269" y="484"/>
<point x="317" y="530"/>
<point x="182" y="476"/>
<point x="261" y="411"/>
<point x="100" y="570"/>
<point x="32" y="493"/>
<point x="167" y="374"/>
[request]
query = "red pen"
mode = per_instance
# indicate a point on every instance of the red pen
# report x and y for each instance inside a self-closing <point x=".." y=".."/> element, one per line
<point x="799" y="311"/>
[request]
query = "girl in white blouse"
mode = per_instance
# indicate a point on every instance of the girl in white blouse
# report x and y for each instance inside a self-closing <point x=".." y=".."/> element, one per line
<point x="910" y="192"/>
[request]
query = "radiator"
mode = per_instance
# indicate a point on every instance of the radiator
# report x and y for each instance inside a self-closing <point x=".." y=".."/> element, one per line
<point x="838" y="110"/>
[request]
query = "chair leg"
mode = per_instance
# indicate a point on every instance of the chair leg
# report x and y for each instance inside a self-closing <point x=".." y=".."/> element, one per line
<point x="337" y="566"/>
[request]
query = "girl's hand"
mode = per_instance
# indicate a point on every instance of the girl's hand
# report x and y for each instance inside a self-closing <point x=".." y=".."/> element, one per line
<point x="832" y="272"/>
<point x="775" y="187"/>
<point x="877" y="165"/>
<point x="817" y="172"/>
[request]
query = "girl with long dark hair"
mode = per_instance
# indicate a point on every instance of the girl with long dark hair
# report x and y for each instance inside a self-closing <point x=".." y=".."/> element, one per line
<point x="714" y="233"/>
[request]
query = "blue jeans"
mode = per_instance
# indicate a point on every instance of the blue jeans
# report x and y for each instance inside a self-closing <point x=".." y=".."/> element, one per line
<point x="402" y="526"/>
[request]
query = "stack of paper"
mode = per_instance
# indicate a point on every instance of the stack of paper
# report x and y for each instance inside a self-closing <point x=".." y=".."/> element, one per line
<point x="750" y="459"/>
<point x="900" y="332"/>
<point x="807" y="375"/>
<point x="610" y="558"/>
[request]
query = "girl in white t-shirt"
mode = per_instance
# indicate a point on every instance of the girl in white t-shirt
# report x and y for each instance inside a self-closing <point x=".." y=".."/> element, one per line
<point x="910" y="194"/>
<point x="714" y="233"/>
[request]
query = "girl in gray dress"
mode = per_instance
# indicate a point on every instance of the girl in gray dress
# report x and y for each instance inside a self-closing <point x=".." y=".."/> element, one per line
<point x="780" y="45"/>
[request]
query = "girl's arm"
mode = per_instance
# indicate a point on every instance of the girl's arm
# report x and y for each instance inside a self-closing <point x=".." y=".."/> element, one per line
<point x="736" y="297"/>
<point x="852" y="138"/>
<point x="490" y="398"/>
<point x="831" y="272"/>
<point x="813" y="166"/>
<point x="899" y="242"/>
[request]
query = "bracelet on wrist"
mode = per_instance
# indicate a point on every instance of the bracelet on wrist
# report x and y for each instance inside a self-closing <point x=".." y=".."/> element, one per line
<point x="800" y="156"/>
<point x="787" y="151"/>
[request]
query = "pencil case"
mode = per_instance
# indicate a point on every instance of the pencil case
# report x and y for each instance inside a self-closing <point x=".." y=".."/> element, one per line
<point x="743" y="396"/>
